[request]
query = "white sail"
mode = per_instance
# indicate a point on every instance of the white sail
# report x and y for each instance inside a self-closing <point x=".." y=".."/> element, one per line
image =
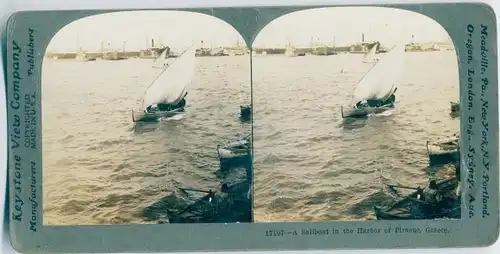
<point x="161" y="60"/>
<point x="380" y="81"/>
<point x="370" y="56"/>
<point x="171" y="85"/>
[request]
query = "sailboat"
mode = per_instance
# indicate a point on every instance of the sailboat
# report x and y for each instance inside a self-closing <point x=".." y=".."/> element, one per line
<point x="168" y="88"/>
<point x="378" y="85"/>
<point x="370" y="55"/>
<point x="161" y="60"/>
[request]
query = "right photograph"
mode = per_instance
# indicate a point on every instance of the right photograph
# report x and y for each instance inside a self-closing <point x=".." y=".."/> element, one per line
<point x="356" y="116"/>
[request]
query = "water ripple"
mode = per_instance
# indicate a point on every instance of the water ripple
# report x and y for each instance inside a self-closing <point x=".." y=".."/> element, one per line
<point x="311" y="166"/>
<point x="100" y="168"/>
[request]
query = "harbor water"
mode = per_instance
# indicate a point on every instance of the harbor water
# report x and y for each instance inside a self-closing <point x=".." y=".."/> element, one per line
<point x="101" y="168"/>
<point x="311" y="166"/>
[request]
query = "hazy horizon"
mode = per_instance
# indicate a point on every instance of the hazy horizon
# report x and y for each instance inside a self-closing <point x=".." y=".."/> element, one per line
<point x="331" y="25"/>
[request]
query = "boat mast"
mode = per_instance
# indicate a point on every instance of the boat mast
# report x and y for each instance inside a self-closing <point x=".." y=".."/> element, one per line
<point x="334" y="45"/>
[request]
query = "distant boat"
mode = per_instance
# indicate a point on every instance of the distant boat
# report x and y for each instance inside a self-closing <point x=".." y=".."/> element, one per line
<point x="170" y="87"/>
<point x="291" y="51"/>
<point x="324" y="51"/>
<point x="113" y="56"/>
<point x="454" y="107"/>
<point x="82" y="56"/>
<point x="161" y="60"/>
<point x="374" y="93"/>
<point x="444" y="151"/>
<point x="370" y="55"/>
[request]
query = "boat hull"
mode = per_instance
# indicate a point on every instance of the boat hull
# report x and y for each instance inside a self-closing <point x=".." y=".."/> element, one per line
<point x="228" y="154"/>
<point x="443" y="152"/>
<point x="445" y="158"/>
<point x="354" y="112"/>
<point x="234" y="154"/>
<point x="141" y="116"/>
<point x="245" y="112"/>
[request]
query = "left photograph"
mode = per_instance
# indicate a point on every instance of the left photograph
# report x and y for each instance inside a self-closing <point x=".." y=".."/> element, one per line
<point x="146" y="119"/>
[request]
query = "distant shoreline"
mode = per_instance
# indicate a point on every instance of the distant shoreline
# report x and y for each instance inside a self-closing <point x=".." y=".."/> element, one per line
<point x="151" y="53"/>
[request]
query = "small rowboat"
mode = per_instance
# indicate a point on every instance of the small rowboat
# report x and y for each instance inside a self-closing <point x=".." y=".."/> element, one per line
<point x="412" y="208"/>
<point x="234" y="153"/>
<point x="245" y="112"/>
<point x="443" y="151"/>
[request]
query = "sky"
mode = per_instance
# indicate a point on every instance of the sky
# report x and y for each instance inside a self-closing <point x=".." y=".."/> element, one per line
<point x="132" y="30"/>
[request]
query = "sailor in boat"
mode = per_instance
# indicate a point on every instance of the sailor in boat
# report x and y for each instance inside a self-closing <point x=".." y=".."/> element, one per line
<point x="157" y="107"/>
<point x="377" y="103"/>
<point x="211" y="196"/>
<point x="431" y="193"/>
<point x="165" y="106"/>
<point x="369" y="103"/>
<point x="222" y="197"/>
